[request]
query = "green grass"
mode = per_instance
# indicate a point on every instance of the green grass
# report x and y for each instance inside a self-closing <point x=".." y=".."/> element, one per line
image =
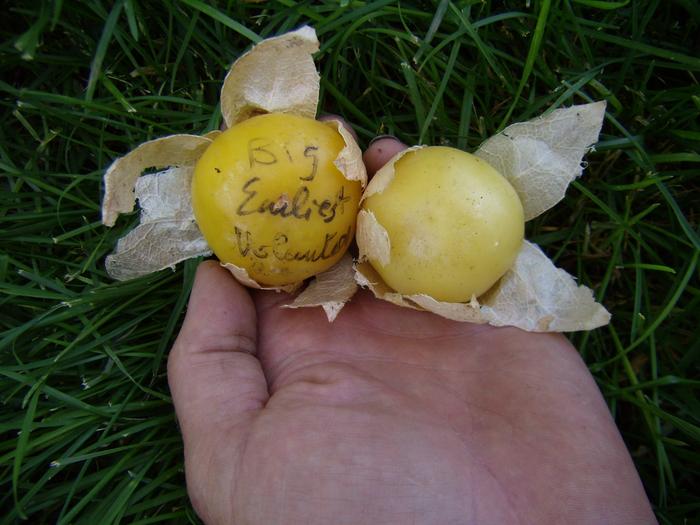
<point x="87" y="431"/>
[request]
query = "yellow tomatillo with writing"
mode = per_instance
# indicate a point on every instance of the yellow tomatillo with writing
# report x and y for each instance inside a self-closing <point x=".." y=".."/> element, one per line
<point x="268" y="198"/>
<point x="454" y="224"/>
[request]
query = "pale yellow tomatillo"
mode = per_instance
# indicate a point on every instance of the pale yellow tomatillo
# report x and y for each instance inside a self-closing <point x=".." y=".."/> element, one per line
<point x="455" y="225"/>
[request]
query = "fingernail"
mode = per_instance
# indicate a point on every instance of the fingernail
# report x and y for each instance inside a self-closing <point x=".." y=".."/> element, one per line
<point x="381" y="137"/>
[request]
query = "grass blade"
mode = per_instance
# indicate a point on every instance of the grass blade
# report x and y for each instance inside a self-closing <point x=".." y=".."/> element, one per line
<point x="101" y="51"/>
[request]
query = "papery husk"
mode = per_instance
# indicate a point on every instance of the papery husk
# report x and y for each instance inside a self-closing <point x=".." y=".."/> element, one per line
<point x="120" y="178"/>
<point x="330" y="289"/>
<point x="167" y="232"/>
<point x="349" y="160"/>
<point x="278" y="75"/>
<point x="211" y="135"/>
<point x="537" y="296"/>
<point x="372" y="239"/>
<point x="534" y="295"/>
<point x="367" y="277"/>
<point x="540" y="158"/>
<point x="241" y="275"/>
<point x="385" y="174"/>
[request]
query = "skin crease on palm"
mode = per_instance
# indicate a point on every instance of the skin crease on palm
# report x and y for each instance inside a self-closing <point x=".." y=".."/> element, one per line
<point x="388" y="416"/>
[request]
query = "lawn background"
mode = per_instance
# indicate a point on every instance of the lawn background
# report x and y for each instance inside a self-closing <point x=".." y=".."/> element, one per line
<point x="87" y="430"/>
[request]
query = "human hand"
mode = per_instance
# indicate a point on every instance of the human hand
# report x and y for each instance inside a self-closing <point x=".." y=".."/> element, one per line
<point x="388" y="416"/>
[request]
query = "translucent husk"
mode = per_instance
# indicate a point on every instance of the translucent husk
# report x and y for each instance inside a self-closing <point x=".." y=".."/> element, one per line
<point x="540" y="158"/>
<point x="278" y="75"/>
<point x="167" y="233"/>
<point x="120" y="178"/>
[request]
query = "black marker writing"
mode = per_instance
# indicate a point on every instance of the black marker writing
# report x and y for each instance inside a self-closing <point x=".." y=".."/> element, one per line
<point x="260" y="154"/>
<point x="280" y="206"/>
<point x="300" y="206"/>
<point x="244" y="240"/>
<point x="309" y="153"/>
<point x="328" y="209"/>
<point x="333" y="243"/>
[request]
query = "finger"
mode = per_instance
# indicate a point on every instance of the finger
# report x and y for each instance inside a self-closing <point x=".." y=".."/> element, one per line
<point x="215" y="378"/>
<point x="379" y="151"/>
<point x="344" y="122"/>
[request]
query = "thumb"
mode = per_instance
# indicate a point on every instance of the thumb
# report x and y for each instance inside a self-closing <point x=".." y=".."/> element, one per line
<point x="380" y="150"/>
<point x="215" y="379"/>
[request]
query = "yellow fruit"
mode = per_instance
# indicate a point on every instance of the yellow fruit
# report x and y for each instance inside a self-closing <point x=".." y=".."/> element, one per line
<point x="268" y="198"/>
<point x="455" y="225"/>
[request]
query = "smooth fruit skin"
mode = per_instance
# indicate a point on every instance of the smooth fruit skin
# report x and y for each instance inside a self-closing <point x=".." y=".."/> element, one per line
<point x="455" y="224"/>
<point x="268" y="198"/>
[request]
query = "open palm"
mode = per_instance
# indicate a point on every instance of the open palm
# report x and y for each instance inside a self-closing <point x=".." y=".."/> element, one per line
<point x="388" y="416"/>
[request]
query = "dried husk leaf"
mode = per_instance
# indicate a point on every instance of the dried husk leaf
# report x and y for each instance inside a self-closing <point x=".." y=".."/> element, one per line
<point x="330" y="289"/>
<point x="537" y="296"/>
<point x="541" y="157"/>
<point x="533" y="295"/>
<point x="211" y="135"/>
<point x="367" y="277"/>
<point x="241" y="275"/>
<point x="349" y="160"/>
<point x="121" y="176"/>
<point x="278" y="75"/>
<point x="464" y="312"/>
<point x="167" y="233"/>
<point x="372" y="239"/>
<point x="385" y="174"/>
